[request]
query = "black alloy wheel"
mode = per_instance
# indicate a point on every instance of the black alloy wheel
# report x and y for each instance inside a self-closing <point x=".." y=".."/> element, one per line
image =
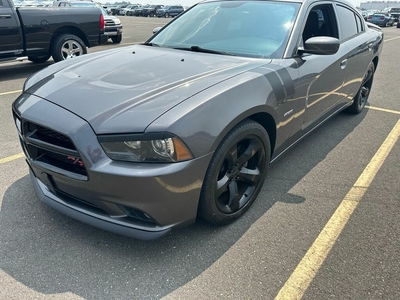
<point x="361" y="98"/>
<point x="236" y="173"/>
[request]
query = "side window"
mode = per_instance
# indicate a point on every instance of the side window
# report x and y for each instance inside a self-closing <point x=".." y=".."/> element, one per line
<point x="360" y="26"/>
<point x="1" y="3"/>
<point x="347" y="22"/>
<point x="321" y="21"/>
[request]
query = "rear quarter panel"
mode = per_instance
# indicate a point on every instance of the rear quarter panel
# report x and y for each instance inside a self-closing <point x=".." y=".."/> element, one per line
<point x="41" y="24"/>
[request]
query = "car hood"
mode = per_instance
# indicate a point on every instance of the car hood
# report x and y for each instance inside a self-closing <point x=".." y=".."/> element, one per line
<point x="125" y="90"/>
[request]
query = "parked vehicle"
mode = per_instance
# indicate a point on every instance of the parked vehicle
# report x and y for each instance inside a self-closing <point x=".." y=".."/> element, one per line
<point x="113" y="25"/>
<point x="151" y="10"/>
<point x="369" y="13"/>
<point x="381" y="19"/>
<point x="138" y="11"/>
<point x="187" y="123"/>
<point x="394" y="12"/>
<point x="121" y="11"/>
<point x="38" y="33"/>
<point x="130" y="9"/>
<point x="169" y="11"/>
<point x="115" y="10"/>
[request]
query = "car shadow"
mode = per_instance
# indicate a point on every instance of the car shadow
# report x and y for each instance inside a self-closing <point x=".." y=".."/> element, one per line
<point x="51" y="253"/>
<point x="20" y="70"/>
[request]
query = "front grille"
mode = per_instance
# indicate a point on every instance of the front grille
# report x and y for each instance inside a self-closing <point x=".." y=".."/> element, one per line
<point x="52" y="150"/>
<point x="49" y="136"/>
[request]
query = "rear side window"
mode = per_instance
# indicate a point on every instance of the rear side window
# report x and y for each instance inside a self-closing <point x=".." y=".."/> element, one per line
<point x="360" y="25"/>
<point x="347" y="20"/>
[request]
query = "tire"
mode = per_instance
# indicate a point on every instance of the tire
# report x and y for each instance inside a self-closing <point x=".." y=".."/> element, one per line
<point x="239" y="166"/>
<point x="151" y="15"/>
<point x="67" y="46"/>
<point x="39" y="59"/>
<point x="166" y="15"/>
<point x="386" y="24"/>
<point x="398" y="25"/>
<point x="116" y="39"/>
<point x="361" y="98"/>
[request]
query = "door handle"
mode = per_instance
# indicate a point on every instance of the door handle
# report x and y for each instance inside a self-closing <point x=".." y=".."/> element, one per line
<point x="5" y="16"/>
<point x="343" y="64"/>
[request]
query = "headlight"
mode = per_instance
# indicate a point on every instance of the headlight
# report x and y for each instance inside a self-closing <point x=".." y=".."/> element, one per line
<point x="155" y="148"/>
<point x="117" y="21"/>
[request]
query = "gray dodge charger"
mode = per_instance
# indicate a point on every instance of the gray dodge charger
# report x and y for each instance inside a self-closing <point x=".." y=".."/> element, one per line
<point x="186" y="124"/>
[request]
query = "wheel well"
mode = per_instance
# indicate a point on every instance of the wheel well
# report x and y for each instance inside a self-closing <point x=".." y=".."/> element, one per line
<point x="70" y="30"/>
<point x="266" y="121"/>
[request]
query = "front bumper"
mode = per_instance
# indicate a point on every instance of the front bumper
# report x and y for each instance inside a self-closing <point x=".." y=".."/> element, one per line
<point x="135" y="199"/>
<point x="113" y="30"/>
<point x="101" y="221"/>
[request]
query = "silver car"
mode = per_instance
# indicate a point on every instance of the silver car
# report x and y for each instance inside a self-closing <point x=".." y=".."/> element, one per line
<point x="186" y="124"/>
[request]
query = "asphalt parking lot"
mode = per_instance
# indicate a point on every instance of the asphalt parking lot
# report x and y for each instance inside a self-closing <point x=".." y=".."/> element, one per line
<point x="325" y="225"/>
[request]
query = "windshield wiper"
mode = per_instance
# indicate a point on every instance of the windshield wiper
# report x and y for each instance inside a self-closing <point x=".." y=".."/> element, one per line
<point x="151" y="44"/>
<point x="203" y="50"/>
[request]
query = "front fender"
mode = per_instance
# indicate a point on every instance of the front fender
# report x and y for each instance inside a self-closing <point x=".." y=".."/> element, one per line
<point x="203" y="120"/>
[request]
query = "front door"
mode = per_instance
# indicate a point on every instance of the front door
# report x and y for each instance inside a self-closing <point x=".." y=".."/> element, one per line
<point x="322" y="75"/>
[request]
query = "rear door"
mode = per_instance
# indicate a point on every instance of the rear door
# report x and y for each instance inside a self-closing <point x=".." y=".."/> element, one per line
<point x="356" y="38"/>
<point x="11" y="42"/>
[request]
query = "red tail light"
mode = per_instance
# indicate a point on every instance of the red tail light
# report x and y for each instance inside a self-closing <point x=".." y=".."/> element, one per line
<point x="102" y="23"/>
<point x="382" y="18"/>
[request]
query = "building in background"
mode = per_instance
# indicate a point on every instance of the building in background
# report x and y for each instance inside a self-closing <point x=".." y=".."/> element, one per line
<point x="379" y="5"/>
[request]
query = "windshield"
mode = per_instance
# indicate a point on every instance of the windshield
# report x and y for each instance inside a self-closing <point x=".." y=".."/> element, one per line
<point x="251" y="28"/>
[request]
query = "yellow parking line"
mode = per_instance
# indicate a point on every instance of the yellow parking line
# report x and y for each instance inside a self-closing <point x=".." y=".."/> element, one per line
<point x="12" y="92"/>
<point x="395" y="38"/>
<point x="302" y="276"/>
<point x="384" y="110"/>
<point x="11" y="158"/>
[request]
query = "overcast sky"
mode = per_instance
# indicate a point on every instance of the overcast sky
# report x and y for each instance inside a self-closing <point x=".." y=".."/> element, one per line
<point x="186" y="2"/>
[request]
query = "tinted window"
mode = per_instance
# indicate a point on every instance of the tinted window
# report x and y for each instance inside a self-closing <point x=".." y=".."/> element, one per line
<point x="253" y="29"/>
<point x="347" y="22"/>
<point x="320" y="22"/>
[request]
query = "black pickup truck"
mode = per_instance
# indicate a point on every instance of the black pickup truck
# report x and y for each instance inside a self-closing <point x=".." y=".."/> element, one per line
<point x="38" y="33"/>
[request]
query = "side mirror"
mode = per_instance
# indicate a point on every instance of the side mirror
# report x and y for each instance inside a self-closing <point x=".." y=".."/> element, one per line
<point x="322" y="45"/>
<point x="157" y="29"/>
